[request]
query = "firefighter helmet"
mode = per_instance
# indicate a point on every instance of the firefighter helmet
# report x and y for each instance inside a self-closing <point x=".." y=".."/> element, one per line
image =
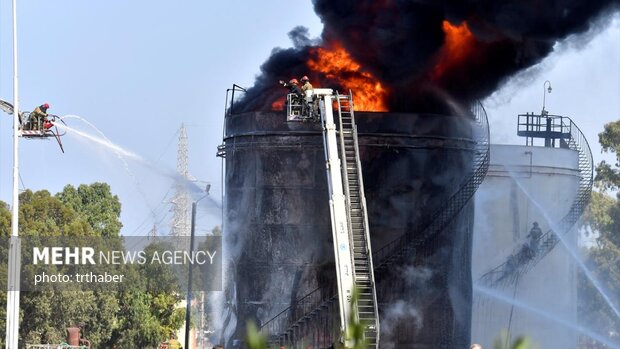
<point x="305" y="78"/>
<point x="293" y="81"/>
<point x="46" y="106"/>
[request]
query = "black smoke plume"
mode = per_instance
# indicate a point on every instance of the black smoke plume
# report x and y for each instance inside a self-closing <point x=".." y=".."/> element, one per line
<point x="400" y="42"/>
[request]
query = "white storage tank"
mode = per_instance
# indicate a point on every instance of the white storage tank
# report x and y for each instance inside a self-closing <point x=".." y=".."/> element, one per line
<point x="525" y="184"/>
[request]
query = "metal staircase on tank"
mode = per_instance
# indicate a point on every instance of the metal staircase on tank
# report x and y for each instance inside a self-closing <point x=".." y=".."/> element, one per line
<point x="283" y="328"/>
<point x="549" y="127"/>
<point x="405" y="246"/>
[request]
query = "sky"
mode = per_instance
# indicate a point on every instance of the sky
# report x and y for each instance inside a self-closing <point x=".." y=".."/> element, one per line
<point x="138" y="69"/>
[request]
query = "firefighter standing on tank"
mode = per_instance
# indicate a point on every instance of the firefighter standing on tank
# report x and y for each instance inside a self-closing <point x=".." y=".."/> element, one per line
<point x="38" y="117"/>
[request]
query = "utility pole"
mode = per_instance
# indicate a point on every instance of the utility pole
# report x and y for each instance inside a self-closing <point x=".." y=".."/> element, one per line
<point x="188" y="306"/>
<point x="201" y="333"/>
<point x="190" y="273"/>
<point x="12" y="302"/>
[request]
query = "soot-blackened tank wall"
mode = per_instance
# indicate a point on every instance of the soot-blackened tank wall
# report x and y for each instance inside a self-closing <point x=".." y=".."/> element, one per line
<point x="277" y="231"/>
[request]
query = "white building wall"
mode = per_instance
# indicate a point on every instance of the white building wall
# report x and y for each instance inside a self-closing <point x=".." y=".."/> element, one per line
<point x="524" y="185"/>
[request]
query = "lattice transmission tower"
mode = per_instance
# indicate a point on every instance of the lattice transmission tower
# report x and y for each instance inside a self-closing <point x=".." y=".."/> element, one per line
<point x="181" y="202"/>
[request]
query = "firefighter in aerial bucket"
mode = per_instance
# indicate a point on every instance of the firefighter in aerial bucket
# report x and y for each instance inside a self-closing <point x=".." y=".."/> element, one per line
<point x="293" y="87"/>
<point x="310" y="109"/>
<point x="306" y="85"/>
<point x="296" y="97"/>
<point x="38" y="118"/>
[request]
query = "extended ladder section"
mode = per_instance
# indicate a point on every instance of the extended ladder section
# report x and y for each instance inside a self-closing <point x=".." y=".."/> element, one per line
<point x="359" y="233"/>
<point x="348" y="218"/>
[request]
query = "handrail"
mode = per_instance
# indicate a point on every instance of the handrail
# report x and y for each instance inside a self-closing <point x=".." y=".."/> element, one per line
<point x="229" y="110"/>
<point x="313" y="300"/>
<point x="551" y="122"/>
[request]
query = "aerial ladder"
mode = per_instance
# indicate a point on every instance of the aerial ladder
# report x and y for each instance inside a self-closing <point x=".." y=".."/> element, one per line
<point x="349" y="219"/>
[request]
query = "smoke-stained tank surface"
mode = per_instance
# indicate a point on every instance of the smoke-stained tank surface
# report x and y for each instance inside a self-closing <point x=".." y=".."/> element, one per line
<point x="278" y="239"/>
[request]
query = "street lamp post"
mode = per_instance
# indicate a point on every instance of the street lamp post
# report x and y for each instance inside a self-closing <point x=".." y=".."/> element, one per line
<point x="549" y="142"/>
<point x="545" y="91"/>
<point x="189" y="277"/>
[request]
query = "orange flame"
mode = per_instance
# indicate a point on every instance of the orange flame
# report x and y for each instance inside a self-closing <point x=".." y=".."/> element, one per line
<point x="278" y="104"/>
<point x="458" y="45"/>
<point x="337" y="64"/>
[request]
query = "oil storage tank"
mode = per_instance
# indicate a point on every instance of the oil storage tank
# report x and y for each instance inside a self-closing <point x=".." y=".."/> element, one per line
<point x="278" y="240"/>
<point x="526" y="184"/>
<point x="524" y="255"/>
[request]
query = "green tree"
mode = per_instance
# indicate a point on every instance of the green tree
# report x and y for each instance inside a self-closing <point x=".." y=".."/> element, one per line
<point x="97" y="205"/>
<point x="603" y="218"/>
<point x="131" y="317"/>
<point x="5" y="220"/>
<point x="41" y="214"/>
<point x="47" y="314"/>
<point x="608" y="176"/>
<point x="149" y="305"/>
